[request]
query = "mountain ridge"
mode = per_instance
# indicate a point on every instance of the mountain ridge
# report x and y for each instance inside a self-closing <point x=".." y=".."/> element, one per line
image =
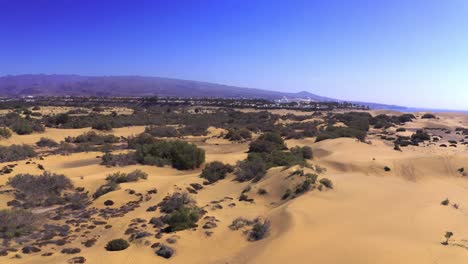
<point x="134" y="85"/>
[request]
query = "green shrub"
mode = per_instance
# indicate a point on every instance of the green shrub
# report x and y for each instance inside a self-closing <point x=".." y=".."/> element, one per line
<point x="182" y="219"/>
<point x="267" y="142"/>
<point x="93" y="138"/>
<point x="104" y="189"/>
<point x="41" y="190"/>
<point x="16" y="223"/>
<point x="312" y="177"/>
<point x="445" y="202"/>
<point x="215" y="171"/>
<point x="287" y="194"/>
<point x="16" y="152"/>
<point x="5" y="132"/>
<point x="401" y="129"/>
<point x="117" y="245"/>
<point x="175" y="202"/>
<point x="119" y="177"/>
<point x="253" y="168"/>
<point x="420" y="135"/>
<point x="303" y="152"/>
<point x="181" y="155"/>
<point x="112" y="160"/>
<point x="46" y="142"/>
<point x="260" y="230"/>
<point x="22" y="127"/>
<point x="428" y="116"/>
<point x="238" y="134"/>
<point x="162" y="131"/>
<point x="36" y="108"/>
<point x="327" y="183"/>
<point x="338" y="132"/>
<point x="102" y="125"/>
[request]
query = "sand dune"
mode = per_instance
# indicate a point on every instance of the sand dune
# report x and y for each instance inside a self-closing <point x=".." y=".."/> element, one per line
<point x="371" y="216"/>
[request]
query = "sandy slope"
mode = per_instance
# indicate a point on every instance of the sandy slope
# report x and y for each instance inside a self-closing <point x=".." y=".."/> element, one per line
<point x="371" y="216"/>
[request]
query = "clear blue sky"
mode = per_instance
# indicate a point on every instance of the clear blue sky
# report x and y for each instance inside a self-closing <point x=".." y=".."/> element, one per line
<point x="402" y="52"/>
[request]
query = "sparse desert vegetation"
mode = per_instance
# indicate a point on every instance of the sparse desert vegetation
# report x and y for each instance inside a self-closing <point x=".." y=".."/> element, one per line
<point x="170" y="173"/>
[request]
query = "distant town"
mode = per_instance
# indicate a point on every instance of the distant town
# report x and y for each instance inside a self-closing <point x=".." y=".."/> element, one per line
<point x="291" y="104"/>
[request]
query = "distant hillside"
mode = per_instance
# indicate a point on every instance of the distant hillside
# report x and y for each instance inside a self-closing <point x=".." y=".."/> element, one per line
<point x="76" y="85"/>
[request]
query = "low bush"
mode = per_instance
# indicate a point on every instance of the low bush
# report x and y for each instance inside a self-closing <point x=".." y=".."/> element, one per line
<point x="5" y="132"/>
<point x="46" y="142"/>
<point x="77" y="200"/>
<point x="428" y="116"/>
<point x="16" y="152"/>
<point x="182" y="218"/>
<point x="119" y="177"/>
<point x="162" y="131"/>
<point x="41" y="190"/>
<point x="175" y="202"/>
<point x="180" y="154"/>
<point x="304" y="152"/>
<point x="93" y="138"/>
<point x="420" y="136"/>
<point x="268" y="143"/>
<point x="238" y="134"/>
<point x="338" y="132"/>
<point x="25" y="127"/>
<point x="117" y="245"/>
<point x="327" y="183"/>
<point x="102" y="125"/>
<point x="253" y="168"/>
<point x="259" y="230"/>
<point x="112" y="160"/>
<point x="16" y="223"/>
<point x="288" y="193"/>
<point x="215" y="171"/>
<point x="240" y="222"/>
<point x="303" y="187"/>
<point x="401" y="129"/>
<point x="445" y="202"/>
<point x="104" y="189"/>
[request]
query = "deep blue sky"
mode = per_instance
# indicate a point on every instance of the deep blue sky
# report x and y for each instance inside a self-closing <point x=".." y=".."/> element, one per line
<point x="402" y="52"/>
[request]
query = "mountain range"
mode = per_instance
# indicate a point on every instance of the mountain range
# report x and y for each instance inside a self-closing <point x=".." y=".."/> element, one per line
<point x="77" y="85"/>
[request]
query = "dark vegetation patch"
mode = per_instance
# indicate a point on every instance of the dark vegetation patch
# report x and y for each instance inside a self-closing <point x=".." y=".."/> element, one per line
<point x="46" y="142"/>
<point x="114" y="179"/>
<point x="358" y="123"/>
<point x="5" y="132"/>
<point x="16" y="152"/>
<point x="238" y="134"/>
<point x="179" y="154"/>
<point x="16" y="223"/>
<point x="93" y="138"/>
<point x="332" y="132"/>
<point x="162" y="131"/>
<point x="40" y="190"/>
<point x="428" y="116"/>
<point x="117" y="245"/>
<point x="215" y="171"/>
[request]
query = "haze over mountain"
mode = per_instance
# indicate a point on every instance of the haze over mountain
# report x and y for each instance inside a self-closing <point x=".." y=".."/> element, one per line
<point x="77" y="85"/>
